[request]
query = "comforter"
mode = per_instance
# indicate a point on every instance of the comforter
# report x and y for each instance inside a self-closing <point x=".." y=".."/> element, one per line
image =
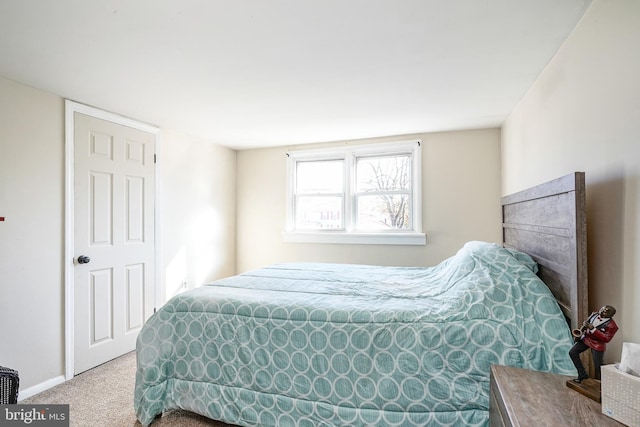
<point x="309" y="344"/>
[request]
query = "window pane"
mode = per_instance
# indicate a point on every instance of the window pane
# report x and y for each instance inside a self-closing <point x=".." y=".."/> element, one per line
<point x="324" y="176"/>
<point x="389" y="212"/>
<point x="319" y="213"/>
<point x="390" y="173"/>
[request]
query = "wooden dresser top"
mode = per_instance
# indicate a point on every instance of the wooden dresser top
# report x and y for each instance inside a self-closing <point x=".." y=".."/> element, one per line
<point x="542" y="398"/>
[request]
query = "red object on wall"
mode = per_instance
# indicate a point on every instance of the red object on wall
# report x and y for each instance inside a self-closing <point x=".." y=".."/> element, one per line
<point x="1" y="218"/>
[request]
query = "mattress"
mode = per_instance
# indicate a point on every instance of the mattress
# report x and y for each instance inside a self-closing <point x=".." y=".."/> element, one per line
<point x="308" y="344"/>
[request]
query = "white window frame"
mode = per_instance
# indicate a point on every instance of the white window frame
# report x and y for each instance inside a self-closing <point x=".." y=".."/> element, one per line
<point x="412" y="236"/>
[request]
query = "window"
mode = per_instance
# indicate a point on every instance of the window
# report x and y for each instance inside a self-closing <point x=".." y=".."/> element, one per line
<point x="355" y="194"/>
<point x="319" y="197"/>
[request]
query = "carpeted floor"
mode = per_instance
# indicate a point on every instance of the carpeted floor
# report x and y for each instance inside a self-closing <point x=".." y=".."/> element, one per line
<point x="103" y="396"/>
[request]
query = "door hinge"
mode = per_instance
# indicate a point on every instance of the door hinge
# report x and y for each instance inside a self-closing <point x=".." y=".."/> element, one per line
<point x="154" y="309"/>
<point x="155" y="160"/>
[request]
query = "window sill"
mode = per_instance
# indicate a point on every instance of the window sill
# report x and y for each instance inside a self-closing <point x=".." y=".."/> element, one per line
<point x="355" y="238"/>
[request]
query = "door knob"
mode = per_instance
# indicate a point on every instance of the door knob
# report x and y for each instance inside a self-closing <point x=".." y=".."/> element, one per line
<point x="83" y="259"/>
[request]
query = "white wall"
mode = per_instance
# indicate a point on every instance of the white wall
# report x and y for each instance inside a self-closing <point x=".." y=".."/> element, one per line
<point x="461" y="202"/>
<point x="32" y="235"/>
<point x="583" y="114"/>
<point x="198" y="190"/>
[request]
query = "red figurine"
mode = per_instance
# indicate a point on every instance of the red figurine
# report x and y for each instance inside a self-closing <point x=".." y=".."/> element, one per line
<point x="595" y="333"/>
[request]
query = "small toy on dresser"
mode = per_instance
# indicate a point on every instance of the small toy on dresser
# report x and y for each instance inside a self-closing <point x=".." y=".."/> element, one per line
<point x="595" y="333"/>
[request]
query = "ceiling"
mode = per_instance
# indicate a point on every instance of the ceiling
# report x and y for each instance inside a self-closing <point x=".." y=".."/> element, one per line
<point x="259" y="73"/>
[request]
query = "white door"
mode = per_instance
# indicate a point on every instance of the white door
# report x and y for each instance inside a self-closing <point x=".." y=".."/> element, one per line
<point x="114" y="184"/>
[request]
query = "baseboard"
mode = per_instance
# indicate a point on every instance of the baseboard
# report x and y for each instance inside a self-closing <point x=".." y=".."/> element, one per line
<point x="39" y="388"/>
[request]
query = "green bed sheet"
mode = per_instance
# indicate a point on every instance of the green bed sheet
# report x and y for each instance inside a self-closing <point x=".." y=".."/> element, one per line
<point x="310" y="344"/>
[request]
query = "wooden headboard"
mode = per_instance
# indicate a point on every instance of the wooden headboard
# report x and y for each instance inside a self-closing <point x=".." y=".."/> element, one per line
<point x="549" y="223"/>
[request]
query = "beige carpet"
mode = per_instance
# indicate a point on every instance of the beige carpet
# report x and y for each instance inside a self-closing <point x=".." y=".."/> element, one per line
<point x="103" y="396"/>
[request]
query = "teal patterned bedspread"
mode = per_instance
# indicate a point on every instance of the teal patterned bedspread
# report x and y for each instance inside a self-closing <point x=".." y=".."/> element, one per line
<point x="309" y="344"/>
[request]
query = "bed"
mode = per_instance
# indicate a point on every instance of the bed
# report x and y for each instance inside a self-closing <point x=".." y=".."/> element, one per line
<point x="310" y="344"/>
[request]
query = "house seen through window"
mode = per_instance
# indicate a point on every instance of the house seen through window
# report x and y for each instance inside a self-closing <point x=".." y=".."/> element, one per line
<point x="356" y="194"/>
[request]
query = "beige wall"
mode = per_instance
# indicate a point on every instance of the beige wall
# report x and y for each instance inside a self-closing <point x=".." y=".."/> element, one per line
<point x="583" y="114"/>
<point x="461" y="202"/>
<point x="198" y="209"/>
<point x="197" y="189"/>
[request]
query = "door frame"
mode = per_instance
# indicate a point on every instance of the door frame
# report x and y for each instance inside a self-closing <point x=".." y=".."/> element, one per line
<point x="72" y="107"/>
